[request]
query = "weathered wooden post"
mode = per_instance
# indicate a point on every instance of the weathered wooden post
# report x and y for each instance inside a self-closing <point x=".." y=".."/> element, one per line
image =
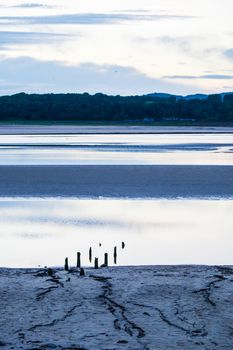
<point x="115" y="255"/>
<point x="66" y="264"/>
<point x="82" y="272"/>
<point x="78" y="260"/>
<point x="106" y="259"/>
<point x="90" y="254"/>
<point x="122" y="245"/>
<point x="96" y="263"/>
<point x="50" y="272"/>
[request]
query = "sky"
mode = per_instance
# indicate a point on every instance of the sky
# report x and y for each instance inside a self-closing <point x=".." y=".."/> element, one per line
<point x="125" y="47"/>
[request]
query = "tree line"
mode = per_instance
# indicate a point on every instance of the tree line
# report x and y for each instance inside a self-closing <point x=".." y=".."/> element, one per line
<point x="215" y="109"/>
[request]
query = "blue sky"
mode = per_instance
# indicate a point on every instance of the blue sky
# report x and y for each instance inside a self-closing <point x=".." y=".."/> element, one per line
<point x="116" y="46"/>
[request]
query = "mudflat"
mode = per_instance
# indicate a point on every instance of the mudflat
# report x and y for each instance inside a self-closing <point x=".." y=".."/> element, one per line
<point x="140" y="307"/>
<point x="134" y="181"/>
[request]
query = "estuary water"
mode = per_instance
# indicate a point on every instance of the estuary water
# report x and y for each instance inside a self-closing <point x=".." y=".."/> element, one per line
<point x="200" y="149"/>
<point x="43" y="231"/>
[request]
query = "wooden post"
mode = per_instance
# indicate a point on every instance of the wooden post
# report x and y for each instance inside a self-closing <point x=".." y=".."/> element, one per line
<point x="96" y="263"/>
<point x="82" y="272"/>
<point x="66" y="264"/>
<point x="123" y="245"/>
<point x="78" y="260"/>
<point x="50" y="272"/>
<point x="90" y="254"/>
<point x="115" y="255"/>
<point x="106" y="259"/>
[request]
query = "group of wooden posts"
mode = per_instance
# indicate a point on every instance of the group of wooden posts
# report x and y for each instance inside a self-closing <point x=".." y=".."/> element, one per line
<point x="96" y="260"/>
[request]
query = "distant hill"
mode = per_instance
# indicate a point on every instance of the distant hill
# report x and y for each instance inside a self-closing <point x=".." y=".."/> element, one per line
<point x="195" y="96"/>
<point x="187" y="97"/>
<point x="178" y="97"/>
<point x="163" y="95"/>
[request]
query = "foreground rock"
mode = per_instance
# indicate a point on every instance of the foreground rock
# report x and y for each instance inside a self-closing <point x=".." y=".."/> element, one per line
<point x="169" y="307"/>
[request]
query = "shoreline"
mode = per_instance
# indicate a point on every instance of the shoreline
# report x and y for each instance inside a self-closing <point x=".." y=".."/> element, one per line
<point x="101" y="198"/>
<point x="89" y="269"/>
<point x="19" y="129"/>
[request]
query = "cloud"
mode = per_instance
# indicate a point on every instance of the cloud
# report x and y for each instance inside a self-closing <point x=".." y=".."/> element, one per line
<point x="206" y="76"/>
<point x="229" y="54"/>
<point x="89" y="18"/>
<point x="187" y="45"/>
<point x="27" y="6"/>
<point x="31" y="5"/>
<point x="29" y="75"/>
<point x="183" y="43"/>
<point x="18" y="38"/>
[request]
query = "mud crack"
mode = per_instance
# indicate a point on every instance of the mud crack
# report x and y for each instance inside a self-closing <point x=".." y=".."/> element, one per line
<point x="207" y="291"/>
<point x="45" y="291"/>
<point x="192" y="332"/>
<point x="54" y="279"/>
<point x="69" y="313"/>
<point x="121" y="322"/>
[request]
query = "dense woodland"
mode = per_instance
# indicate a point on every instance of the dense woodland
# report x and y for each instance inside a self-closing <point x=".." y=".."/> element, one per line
<point x="215" y="109"/>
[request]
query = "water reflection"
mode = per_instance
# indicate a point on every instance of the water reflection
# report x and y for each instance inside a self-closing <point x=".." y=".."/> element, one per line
<point x="115" y="139"/>
<point x="44" y="232"/>
<point x="215" y="149"/>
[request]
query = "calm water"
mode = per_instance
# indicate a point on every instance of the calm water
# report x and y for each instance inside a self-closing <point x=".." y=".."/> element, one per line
<point x="215" y="149"/>
<point x="43" y="232"/>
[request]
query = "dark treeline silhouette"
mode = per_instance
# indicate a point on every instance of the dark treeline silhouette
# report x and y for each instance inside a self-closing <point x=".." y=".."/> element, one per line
<point x="215" y="109"/>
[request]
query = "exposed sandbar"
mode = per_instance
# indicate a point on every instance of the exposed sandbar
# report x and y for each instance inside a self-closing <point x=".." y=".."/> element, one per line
<point x="134" y="181"/>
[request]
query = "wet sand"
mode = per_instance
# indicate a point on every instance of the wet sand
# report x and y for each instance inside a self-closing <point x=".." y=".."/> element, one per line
<point x="119" y="181"/>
